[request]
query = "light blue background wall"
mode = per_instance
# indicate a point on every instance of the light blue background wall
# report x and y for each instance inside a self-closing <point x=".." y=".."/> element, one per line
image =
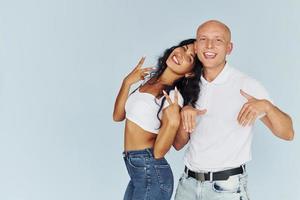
<point x="61" y="65"/>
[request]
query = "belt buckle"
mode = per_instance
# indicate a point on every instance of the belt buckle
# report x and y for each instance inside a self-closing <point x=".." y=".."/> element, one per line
<point x="200" y="177"/>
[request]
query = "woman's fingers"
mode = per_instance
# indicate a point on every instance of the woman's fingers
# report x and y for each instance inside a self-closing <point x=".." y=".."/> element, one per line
<point x="176" y="96"/>
<point x="141" y="62"/>
<point x="167" y="98"/>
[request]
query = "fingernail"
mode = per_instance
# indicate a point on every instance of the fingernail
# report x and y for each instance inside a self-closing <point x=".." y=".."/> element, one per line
<point x="176" y="89"/>
<point x="164" y="92"/>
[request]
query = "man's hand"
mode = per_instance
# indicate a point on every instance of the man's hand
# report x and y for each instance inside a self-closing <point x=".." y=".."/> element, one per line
<point x="252" y="109"/>
<point x="188" y="117"/>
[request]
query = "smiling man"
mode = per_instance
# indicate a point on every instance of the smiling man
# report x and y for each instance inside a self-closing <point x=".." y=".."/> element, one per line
<point x="219" y="129"/>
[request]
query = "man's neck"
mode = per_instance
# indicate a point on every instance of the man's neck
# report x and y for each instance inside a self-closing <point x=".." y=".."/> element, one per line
<point x="211" y="73"/>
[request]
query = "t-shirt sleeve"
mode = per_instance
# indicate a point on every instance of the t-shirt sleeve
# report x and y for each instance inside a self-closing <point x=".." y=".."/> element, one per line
<point x="171" y="95"/>
<point x="257" y="90"/>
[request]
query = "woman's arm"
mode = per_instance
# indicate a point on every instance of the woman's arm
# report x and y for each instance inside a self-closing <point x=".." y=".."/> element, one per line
<point x="136" y="75"/>
<point x="168" y="130"/>
<point x="119" y="109"/>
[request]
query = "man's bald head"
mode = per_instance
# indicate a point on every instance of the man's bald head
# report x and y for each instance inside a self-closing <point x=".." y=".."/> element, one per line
<point x="213" y="44"/>
<point x="217" y="24"/>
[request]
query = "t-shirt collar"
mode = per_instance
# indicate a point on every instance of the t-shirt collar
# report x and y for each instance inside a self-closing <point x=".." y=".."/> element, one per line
<point x="221" y="78"/>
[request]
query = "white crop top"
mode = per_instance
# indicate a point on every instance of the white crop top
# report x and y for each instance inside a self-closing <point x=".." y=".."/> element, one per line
<point x="141" y="108"/>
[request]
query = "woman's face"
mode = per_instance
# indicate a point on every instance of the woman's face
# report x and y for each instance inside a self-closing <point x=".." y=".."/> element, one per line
<point x="182" y="59"/>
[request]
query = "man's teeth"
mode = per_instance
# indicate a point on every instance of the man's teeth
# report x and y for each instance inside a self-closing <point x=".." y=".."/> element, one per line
<point x="175" y="60"/>
<point x="209" y="55"/>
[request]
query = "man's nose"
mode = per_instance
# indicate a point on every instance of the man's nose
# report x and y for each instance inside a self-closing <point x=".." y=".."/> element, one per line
<point x="209" y="44"/>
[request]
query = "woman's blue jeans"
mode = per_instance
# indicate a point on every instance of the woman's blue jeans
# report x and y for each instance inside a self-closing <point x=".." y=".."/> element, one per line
<point x="150" y="178"/>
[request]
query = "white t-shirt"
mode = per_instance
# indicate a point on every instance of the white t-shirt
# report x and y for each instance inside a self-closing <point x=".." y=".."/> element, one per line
<point x="218" y="141"/>
<point x="141" y="108"/>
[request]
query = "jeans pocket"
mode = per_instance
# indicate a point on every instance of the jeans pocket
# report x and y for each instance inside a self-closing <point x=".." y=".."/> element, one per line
<point x="231" y="185"/>
<point x="165" y="177"/>
<point x="137" y="162"/>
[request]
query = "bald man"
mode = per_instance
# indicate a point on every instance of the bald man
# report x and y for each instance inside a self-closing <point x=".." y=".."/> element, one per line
<point x="219" y="129"/>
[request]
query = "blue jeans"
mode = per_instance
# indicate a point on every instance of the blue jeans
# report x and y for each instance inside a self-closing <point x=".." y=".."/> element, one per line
<point x="150" y="178"/>
<point x="234" y="188"/>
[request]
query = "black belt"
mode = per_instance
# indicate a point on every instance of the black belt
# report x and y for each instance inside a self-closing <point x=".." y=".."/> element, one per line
<point x="215" y="176"/>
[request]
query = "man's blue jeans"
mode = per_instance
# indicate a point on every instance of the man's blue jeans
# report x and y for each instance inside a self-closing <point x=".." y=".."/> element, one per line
<point x="150" y="178"/>
<point x="235" y="188"/>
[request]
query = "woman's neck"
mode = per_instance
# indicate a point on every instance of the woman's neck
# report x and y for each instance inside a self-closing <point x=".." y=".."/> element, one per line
<point x="168" y="77"/>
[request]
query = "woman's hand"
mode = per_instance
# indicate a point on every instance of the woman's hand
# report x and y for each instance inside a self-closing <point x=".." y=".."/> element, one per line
<point x="168" y="130"/>
<point x="138" y="73"/>
<point x="171" y="114"/>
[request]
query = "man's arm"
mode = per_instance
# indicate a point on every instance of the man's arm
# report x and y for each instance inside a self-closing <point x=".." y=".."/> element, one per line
<point x="277" y="121"/>
<point x="188" y="116"/>
<point x="182" y="137"/>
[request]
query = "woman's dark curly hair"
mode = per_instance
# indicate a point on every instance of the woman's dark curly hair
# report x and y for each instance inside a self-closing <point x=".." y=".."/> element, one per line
<point x="189" y="87"/>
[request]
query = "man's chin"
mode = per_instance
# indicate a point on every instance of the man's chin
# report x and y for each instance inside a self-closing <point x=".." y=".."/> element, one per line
<point x="209" y="65"/>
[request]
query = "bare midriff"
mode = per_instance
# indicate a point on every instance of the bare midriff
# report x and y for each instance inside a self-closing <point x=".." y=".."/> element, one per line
<point x="137" y="138"/>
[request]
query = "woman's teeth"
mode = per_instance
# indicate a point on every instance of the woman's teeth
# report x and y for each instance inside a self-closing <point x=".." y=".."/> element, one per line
<point x="175" y="60"/>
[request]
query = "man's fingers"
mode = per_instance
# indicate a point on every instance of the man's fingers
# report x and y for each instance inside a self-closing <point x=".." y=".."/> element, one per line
<point x="253" y="119"/>
<point x="190" y="118"/>
<point x="185" y="121"/>
<point x="242" y="112"/>
<point x="193" y="122"/>
<point x="247" y="96"/>
<point x="245" y="118"/>
<point x="182" y="120"/>
<point x="167" y="98"/>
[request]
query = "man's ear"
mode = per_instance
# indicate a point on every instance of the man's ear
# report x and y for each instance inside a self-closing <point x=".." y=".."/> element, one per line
<point x="189" y="75"/>
<point x="229" y="48"/>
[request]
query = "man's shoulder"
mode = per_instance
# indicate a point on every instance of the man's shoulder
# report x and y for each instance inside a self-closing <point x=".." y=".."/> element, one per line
<point x="240" y="76"/>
